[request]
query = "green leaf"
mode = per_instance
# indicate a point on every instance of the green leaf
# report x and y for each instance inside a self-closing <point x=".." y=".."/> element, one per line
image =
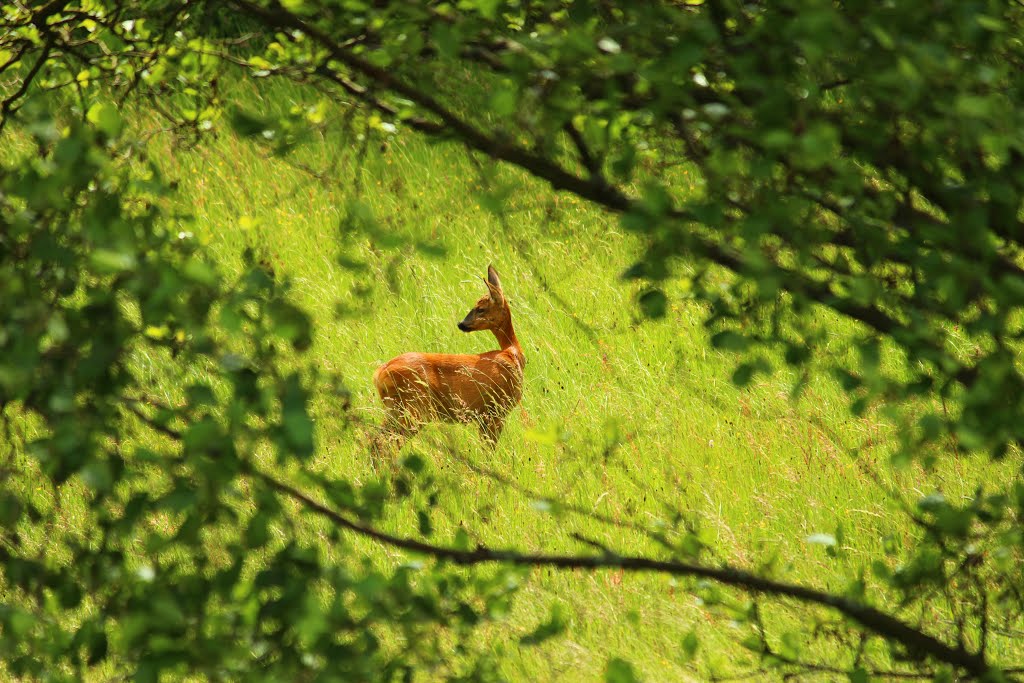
<point x="487" y="8"/>
<point x="555" y="625"/>
<point x="743" y="374"/>
<point x="10" y="509"/>
<point x="97" y="648"/>
<point x="504" y="101"/>
<point x="18" y="621"/>
<point x="546" y="437"/>
<point x="98" y="476"/>
<point x="819" y="146"/>
<point x="753" y="642"/>
<point x="106" y="118"/>
<point x="414" y="463"/>
<point x="249" y="125"/>
<point x="653" y="303"/>
<point x="690" y="644"/>
<point x="975" y="106"/>
<point x="258" y="532"/>
<point x="291" y="323"/>
<point x="200" y="272"/>
<point x="619" y="671"/>
<point x="298" y="427"/>
<point x="148" y="671"/>
<point x="425" y="526"/>
<point x="728" y="340"/>
<point x="111" y="261"/>
<point x="822" y="539"/>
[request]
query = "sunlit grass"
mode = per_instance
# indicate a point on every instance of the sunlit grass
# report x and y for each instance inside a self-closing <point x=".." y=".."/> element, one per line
<point x="632" y="420"/>
<point x="756" y="470"/>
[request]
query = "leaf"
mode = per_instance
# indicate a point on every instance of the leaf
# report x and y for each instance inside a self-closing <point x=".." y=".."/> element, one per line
<point x="753" y="643"/>
<point x="653" y="303"/>
<point x="554" y="626"/>
<point x="148" y="671"/>
<point x="414" y="463"/>
<point x="258" y="532"/>
<point x="249" y="125"/>
<point x="743" y="374"/>
<point x="690" y="644"/>
<point x="730" y="341"/>
<point x="19" y="621"/>
<point x="199" y="395"/>
<point x="619" y="671"/>
<point x="819" y="146"/>
<point x="106" y="118"/>
<point x="10" y="509"/>
<point x="295" y="420"/>
<point x="487" y="8"/>
<point x="98" y="476"/>
<point x="111" y="261"/>
<point x="291" y="323"/>
<point x="546" y="437"/>
<point x="200" y="272"/>
<point x="97" y="648"/>
<point x="975" y="106"/>
<point x="426" y="527"/>
<point x="822" y="539"/>
<point x="504" y="101"/>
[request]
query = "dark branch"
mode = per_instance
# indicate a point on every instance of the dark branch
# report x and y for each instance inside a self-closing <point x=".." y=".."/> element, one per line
<point x="919" y="645"/>
<point x="590" y="162"/>
<point x="558" y="177"/>
<point x="8" y="105"/>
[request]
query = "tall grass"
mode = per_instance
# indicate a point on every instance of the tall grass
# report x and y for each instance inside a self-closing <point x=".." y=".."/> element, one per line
<point x="630" y="420"/>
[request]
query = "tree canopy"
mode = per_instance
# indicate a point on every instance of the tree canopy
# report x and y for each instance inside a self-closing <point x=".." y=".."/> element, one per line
<point x="858" y="160"/>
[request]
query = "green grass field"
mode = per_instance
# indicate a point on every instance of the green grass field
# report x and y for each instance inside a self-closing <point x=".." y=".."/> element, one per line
<point x="628" y="419"/>
<point x="625" y="419"/>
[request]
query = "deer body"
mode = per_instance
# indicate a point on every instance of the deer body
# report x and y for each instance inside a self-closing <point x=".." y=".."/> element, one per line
<point x="417" y="388"/>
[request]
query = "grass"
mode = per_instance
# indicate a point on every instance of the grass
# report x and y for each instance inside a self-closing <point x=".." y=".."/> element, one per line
<point x="630" y="419"/>
<point x="757" y="471"/>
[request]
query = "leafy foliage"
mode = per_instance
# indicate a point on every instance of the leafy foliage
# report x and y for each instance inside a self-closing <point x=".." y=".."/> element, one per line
<point x="861" y="158"/>
<point x="158" y="569"/>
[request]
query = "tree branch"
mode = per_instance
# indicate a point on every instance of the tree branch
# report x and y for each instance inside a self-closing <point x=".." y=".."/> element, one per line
<point x="919" y="645"/>
<point x="7" y="107"/>
<point x="558" y="177"/>
<point x="590" y="162"/>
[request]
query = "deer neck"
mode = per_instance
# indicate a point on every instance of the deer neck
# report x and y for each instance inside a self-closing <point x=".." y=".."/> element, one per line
<point x="506" y="336"/>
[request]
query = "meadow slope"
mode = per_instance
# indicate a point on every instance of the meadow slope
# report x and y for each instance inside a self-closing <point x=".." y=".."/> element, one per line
<point x="630" y="419"/>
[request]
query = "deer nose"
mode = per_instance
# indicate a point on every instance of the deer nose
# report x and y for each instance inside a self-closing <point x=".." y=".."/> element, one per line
<point x="463" y="326"/>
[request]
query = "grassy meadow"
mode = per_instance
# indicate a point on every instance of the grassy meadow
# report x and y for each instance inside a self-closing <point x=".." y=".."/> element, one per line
<point x="625" y="420"/>
<point x="628" y="419"/>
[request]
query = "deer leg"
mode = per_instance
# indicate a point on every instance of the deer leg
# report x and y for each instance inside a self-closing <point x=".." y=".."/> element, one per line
<point x="397" y="428"/>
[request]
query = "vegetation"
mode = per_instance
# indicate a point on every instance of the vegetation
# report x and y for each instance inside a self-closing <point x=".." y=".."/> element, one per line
<point x="215" y="225"/>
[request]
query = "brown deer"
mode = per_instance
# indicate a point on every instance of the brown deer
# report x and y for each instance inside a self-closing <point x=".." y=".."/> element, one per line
<point x="417" y="388"/>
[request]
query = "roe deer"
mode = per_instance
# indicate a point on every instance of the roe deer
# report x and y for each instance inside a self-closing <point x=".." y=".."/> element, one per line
<point x="417" y="388"/>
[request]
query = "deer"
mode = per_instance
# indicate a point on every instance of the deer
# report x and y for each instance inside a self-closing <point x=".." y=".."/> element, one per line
<point x="481" y="389"/>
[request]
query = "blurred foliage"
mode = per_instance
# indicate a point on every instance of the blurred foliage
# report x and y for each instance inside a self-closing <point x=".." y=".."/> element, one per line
<point x="158" y="569"/>
<point x="861" y="157"/>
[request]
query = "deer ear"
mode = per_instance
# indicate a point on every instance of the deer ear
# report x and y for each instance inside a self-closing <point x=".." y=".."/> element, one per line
<point x="494" y="284"/>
